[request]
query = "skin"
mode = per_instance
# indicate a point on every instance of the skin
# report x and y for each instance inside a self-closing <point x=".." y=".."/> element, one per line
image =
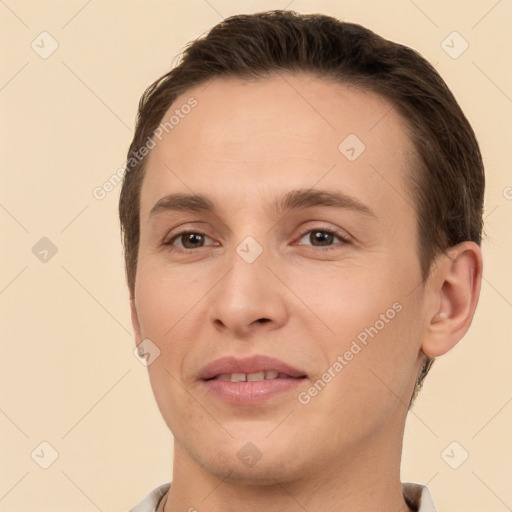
<point x="245" y="143"/>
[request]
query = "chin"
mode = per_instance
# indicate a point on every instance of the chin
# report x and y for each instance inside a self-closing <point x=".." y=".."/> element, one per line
<point x="264" y="462"/>
<point x="263" y="473"/>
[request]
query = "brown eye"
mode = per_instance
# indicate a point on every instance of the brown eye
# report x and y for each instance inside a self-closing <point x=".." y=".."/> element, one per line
<point x="188" y="240"/>
<point x="192" y="240"/>
<point x="321" y="238"/>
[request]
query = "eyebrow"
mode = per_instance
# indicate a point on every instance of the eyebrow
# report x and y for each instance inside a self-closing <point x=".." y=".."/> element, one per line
<point x="293" y="200"/>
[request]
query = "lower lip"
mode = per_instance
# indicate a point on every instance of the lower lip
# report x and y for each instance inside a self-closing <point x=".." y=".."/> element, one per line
<point x="250" y="392"/>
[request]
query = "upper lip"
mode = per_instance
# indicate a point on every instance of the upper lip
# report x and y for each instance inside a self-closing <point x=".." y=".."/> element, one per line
<point x="252" y="364"/>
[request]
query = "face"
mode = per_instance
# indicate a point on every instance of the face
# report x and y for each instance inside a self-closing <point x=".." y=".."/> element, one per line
<point x="302" y="248"/>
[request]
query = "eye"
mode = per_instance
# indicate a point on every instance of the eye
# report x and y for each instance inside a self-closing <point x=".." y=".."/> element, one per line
<point x="319" y="237"/>
<point x="322" y="238"/>
<point x="187" y="240"/>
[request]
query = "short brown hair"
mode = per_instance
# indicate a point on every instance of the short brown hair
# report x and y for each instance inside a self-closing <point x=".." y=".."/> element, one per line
<point x="447" y="184"/>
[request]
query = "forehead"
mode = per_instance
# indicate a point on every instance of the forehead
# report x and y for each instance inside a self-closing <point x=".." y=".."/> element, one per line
<point x="243" y="138"/>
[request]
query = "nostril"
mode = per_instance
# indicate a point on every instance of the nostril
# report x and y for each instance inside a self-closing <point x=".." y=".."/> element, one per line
<point x="263" y="320"/>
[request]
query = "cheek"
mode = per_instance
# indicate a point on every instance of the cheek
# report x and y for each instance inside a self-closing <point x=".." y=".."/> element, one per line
<point x="345" y="298"/>
<point x="372" y="336"/>
<point x="369" y="382"/>
<point x="165" y="304"/>
<point x="165" y="299"/>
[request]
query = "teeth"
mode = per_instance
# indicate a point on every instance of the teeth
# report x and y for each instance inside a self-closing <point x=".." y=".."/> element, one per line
<point x="256" y="376"/>
<point x="251" y="377"/>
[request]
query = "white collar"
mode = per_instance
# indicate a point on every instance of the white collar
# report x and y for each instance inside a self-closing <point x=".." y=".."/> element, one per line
<point x="418" y="497"/>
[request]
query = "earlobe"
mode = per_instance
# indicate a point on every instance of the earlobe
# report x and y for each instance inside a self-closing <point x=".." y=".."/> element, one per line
<point x="135" y="322"/>
<point x="455" y="284"/>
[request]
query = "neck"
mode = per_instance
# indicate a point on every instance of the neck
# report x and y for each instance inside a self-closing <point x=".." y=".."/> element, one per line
<point x="367" y="478"/>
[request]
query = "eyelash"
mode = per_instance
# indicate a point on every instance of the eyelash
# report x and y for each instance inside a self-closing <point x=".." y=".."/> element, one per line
<point x="342" y="237"/>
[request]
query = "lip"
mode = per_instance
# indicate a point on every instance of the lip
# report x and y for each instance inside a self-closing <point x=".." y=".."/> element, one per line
<point x="249" y="392"/>
<point x="252" y="364"/>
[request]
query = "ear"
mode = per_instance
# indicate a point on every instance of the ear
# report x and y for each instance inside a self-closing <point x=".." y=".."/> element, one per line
<point x="455" y="287"/>
<point x="135" y="322"/>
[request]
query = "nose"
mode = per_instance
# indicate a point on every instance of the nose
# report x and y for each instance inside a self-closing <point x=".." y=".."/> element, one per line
<point x="249" y="298"/>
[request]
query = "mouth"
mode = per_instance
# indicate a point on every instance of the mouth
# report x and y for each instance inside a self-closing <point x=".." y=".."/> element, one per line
<point x="250" y="381"/>
<point x="254" y="377"/>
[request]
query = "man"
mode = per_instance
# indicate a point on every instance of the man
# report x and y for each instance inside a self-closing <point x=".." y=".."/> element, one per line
<point x="301" y="215"/>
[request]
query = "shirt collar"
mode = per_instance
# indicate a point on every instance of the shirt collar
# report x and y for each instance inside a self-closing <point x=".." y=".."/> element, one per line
<point x="416" y="495"/>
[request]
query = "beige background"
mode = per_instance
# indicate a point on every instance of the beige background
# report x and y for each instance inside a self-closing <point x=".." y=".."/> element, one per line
<point x="67" y="370"/>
